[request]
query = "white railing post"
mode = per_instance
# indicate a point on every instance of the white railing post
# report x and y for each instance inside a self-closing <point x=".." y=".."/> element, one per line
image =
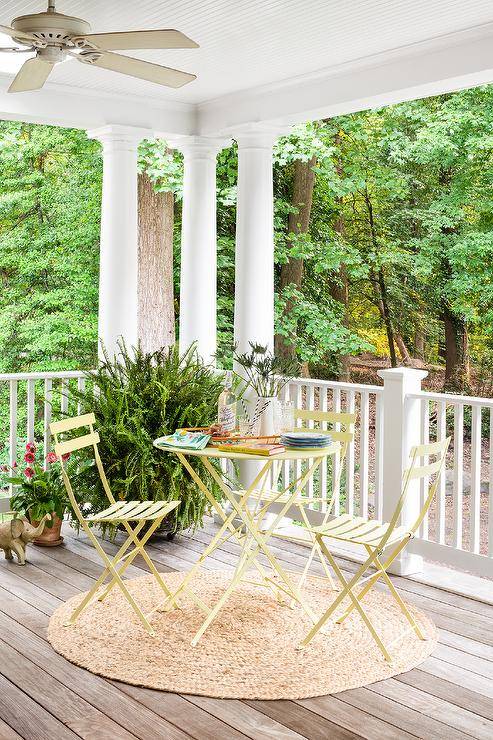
<point x="401" y="430"/>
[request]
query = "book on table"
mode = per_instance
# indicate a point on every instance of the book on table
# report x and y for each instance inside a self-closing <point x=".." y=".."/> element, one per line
<point x="251" y="448"/>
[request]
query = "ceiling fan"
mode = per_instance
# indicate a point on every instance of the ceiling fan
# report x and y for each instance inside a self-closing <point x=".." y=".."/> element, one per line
<point x="54" y="37"/>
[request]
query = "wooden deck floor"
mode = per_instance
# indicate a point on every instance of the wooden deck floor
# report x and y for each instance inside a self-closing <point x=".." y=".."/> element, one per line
<point x="43" y="696"/>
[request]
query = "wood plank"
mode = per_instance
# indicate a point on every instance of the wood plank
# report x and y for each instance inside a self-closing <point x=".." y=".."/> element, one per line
<point x="99" y="692"/>
<point x="356" y="719"/>
<point x="470" y="662"/>
<point x="309" y="724"/>
<point x="449" y="691"/>
<point x="11" y="580"/>
<point x="27" y="718"/>
<point x="460" y="676"/>
<point x="57" y="699"/>
<point x="400" y="716"/>
<point x="452" y="690"/>
<point x="435" y="708"/>
<point x="247" y="719"/>
<point x="37" y="622"/>
<point x="7" y="733"/>
<point x="182" y="713"/>
<point x="471" y="647"/>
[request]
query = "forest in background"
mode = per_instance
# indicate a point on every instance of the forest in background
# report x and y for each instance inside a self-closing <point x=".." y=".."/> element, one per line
<point x="383" y="240"/>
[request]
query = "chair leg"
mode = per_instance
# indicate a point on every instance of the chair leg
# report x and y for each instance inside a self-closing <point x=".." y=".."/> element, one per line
<point x="110" y="568"/>
<point x="346" y="591"/>
<point x="382" y="573"/>
<point x="132" y="535"/>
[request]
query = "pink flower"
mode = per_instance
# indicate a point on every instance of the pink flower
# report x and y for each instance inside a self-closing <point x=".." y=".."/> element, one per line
<point x="51" y="457"/>
<point x="14" y="464"/>
<point x="29" y="457"/>
<point x="4" y="468"/>
<point x="66" y="456"/>
<point x="29" y="472"/>
<point x="31" y="447"/>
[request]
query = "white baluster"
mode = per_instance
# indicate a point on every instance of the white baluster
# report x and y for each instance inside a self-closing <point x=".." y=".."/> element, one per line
<point x="81" y="386"/>
<point x="458" y="473"/>
<point x="336" y="465"/>
<point x="13" y="426"/>
<point x="48" y="391"/>
<point x="425" y="482"/>
<point x="378" y="455"/>
<point x="351" y="401"/>
<point x="441" y="512"/>
<point x="322" y="400"/>
<point x="363" y="453"/>
<point x="475" y="494"/>
<point x="64" y="396"/>
<point x="30" y="411"/>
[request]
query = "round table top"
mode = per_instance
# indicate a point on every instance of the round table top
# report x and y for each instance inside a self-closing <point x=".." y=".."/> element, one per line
<point x="290" y="454"/>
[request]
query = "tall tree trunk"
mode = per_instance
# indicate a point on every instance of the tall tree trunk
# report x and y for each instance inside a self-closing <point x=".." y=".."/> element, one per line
<point x="403" y="350"/>
<point x="156" y="316"/>
<point x="298" y="223"/>
<point x="380" y="287"/>
<point x="377" y="279"/>
<point x="419" y="343"/>
<point x="457" y="370"/>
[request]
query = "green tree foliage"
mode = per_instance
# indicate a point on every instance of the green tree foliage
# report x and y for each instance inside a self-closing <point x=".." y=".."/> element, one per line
<point x="50" y="203"/>
<point x="401" y="218"/>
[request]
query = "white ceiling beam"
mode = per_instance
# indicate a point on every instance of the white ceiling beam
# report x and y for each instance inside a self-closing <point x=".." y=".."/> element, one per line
<point x="450" y="62"/>
<point x="69" y="107"/>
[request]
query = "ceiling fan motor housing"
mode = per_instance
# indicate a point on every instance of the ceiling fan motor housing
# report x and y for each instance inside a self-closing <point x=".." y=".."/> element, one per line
<point x="52" y="29"/>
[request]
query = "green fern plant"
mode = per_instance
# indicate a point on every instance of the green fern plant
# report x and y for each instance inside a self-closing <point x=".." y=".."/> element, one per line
<point x="137" y="398"/>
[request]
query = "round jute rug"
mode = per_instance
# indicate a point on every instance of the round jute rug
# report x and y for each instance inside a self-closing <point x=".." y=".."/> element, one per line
<point x="249" y="652"/>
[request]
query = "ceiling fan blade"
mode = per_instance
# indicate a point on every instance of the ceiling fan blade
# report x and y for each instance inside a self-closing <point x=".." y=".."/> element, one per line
<point x="16" y="50"/>
<point x="27" y="37"/>
<point x="123" y="40"/>
<point x="31" y="76"/>
<point x="137" y="68"/>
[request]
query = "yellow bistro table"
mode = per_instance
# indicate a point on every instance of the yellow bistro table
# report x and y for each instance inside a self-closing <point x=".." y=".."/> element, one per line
<point x="251" y="533"/>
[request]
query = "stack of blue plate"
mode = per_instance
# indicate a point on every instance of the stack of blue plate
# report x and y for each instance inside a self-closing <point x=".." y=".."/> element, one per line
<point x="306" y="439"/>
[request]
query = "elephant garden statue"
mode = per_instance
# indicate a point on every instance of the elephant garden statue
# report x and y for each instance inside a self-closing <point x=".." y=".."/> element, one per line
<point x="16" y="534"/>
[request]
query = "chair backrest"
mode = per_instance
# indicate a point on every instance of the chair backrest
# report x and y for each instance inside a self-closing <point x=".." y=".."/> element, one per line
<point x="90" y="438"/>
<point x="339" y="424"/>
<point x="417" y="471"/>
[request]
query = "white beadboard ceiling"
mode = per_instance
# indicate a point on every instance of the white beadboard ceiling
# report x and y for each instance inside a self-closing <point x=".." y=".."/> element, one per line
<point x="247" y="43"/>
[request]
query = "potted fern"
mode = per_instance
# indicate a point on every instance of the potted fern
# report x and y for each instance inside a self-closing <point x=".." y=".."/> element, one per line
<point x="136" y="398"/>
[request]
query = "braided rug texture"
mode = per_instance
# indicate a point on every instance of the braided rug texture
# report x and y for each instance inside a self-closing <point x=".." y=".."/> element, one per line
<point x="249" y="651"/>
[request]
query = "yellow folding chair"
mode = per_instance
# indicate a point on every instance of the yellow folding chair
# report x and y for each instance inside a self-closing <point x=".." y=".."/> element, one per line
<point x="142" y="513"/>
<point x="340" y="425"/>
<point x="375" y="537"/>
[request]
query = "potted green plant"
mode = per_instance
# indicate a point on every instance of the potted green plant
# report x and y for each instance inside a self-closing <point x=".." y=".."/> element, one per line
<point x="136" y="398"/>
<point x="266" y="375"/>
<point x="39" y="491"/>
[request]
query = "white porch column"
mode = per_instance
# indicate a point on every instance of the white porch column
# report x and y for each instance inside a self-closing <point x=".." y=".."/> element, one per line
<point x="401" y="431"/>
<point x="254" y="260"/>
<point x="198" y="278"/>
<point x="254" y="265"/>
<point x="119" y="235"/>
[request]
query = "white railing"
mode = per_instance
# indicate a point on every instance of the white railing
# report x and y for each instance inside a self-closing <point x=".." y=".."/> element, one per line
<point x="458" y="529"/>
<point x="391" y="418"/>
<point x="361" y="479"/>
<point x="31" y="399"/>
<point x="459" y="526"/>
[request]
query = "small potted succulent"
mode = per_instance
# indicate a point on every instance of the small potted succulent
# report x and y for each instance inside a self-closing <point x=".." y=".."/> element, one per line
<point x="39" y="491"/>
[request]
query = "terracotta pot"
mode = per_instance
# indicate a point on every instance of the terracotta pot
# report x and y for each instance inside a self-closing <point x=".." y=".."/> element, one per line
<point x="51" y="535"/>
